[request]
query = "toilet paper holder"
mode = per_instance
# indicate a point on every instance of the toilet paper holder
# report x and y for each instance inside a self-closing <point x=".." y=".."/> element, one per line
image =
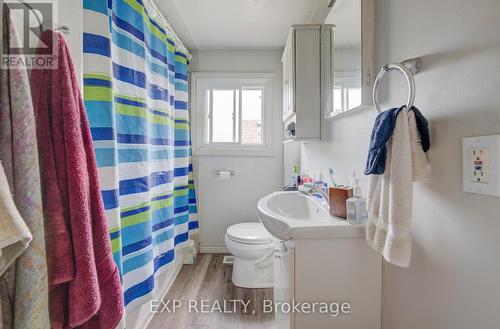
<point x="218" y="172"/>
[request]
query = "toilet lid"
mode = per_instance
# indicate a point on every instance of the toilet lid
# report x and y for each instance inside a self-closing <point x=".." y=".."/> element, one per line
<point x="250" y="233"/>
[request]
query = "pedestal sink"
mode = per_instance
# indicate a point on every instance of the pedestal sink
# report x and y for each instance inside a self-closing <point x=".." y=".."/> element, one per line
<point x="294" y="215"/>
<point x="320" y="258"/>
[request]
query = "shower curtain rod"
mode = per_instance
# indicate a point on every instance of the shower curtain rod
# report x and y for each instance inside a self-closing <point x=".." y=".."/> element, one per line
<point x="169" y="28"/>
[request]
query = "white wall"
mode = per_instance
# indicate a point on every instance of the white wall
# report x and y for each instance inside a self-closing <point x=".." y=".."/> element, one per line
<point x="70" y="14"/>
<point x="291" y="157"/>
<point x="223" y="203"/>
<point x="454" y="278"/>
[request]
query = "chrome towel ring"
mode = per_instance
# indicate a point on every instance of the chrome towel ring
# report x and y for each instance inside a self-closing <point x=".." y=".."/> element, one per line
<point x="407" y="68"/>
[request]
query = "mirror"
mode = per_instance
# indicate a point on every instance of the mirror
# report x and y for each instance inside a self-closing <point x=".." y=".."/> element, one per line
<point x="350" y="52"/>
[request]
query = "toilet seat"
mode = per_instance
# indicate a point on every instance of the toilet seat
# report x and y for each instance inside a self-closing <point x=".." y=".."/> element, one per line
<point x="249" y="233"/>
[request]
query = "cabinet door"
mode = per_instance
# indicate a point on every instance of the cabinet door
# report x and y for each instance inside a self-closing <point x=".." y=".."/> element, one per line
<point x="327" y="71"/>
<point x="289" y="78"/>
<point x="286" y="83"/>
<point x="307" y="82"/>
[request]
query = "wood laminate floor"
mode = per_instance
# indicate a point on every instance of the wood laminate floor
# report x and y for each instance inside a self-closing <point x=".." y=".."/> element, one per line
<point x="209" y="281"/>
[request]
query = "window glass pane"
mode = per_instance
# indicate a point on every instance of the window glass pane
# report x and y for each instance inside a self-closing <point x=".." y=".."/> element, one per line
<point x="222" y="116"/>
<point x="207" y="116"/>
<point x="354" y="98"/>
<point x="237" y="117"/>
<point x="337" y="99"/>
<point x="251" y="116"/>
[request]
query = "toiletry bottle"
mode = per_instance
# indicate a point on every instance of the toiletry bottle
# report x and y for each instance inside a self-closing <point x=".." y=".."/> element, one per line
<point x="321" y="183"/>
<point x="295" y="175"/>
<point x="356" y="206"/>
<point x="316" y="182"/>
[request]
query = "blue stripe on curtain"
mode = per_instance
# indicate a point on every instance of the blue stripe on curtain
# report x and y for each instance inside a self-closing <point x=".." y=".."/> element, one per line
<point x="136" y="96"/>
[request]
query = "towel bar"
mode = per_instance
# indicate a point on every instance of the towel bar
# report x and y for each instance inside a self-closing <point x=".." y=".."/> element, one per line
<point x="408" y="68"/>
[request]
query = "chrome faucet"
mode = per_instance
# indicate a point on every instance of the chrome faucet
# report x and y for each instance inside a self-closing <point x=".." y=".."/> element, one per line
<point x="314" y="191"/>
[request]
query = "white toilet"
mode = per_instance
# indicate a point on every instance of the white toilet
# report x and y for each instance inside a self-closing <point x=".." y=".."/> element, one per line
<point x="252" y="248"/>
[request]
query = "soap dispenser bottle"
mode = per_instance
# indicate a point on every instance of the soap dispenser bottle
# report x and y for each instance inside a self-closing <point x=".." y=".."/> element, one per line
<point x="356" y="206"/>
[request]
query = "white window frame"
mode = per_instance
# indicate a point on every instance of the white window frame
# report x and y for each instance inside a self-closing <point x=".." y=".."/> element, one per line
<point x="200" y="82"/>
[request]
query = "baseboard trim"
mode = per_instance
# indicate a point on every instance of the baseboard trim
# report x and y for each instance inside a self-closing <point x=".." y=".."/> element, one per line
<point x="213" y="249"/>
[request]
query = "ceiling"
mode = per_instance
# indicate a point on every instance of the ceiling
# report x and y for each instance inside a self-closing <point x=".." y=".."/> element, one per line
<point x="239" y="24"/>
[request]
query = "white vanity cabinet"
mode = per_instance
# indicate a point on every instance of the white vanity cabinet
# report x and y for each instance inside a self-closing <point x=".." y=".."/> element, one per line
<point x="320" y="260"/>
<point x="328" y="270"/>
<point x="307" y="79"/>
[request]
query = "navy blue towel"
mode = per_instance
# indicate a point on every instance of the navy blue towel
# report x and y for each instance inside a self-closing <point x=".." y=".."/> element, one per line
<point x="382" y="131"/>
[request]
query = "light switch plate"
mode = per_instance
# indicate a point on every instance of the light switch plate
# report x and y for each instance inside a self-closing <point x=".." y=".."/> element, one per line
<point x="481" y="165"/>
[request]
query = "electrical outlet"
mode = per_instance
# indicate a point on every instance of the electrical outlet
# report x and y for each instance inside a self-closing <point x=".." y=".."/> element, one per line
<point x="481" y="165"/>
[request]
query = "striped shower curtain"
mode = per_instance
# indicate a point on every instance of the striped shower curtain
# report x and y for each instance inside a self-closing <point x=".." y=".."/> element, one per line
<point x="136" y="93"/>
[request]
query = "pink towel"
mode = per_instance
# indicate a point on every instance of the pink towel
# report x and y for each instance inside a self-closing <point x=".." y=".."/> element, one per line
<point x="85" y="287"/>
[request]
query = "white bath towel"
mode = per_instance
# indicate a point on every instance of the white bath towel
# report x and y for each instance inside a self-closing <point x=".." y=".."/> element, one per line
<point x="14" y="234"/>
<point x="390" y="196"/>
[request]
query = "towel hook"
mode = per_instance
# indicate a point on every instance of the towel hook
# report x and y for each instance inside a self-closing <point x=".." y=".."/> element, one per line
<point x="408" y="68"/>
<point x="63" y="29"/>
